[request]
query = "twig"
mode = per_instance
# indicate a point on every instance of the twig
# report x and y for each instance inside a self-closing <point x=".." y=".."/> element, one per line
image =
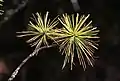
<point x="26" y="59"/>
<point x="9" y="14"/>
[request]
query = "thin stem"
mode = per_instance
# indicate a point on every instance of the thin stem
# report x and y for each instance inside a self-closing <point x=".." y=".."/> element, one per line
<point x="7" y="16"/>
<point x="35" y="52"/>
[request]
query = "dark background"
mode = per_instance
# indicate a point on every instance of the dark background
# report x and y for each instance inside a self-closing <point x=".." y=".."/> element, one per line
<point x="47" y="66"/>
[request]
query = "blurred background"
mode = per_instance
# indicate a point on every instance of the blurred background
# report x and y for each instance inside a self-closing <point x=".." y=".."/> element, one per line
<point x="47" y="65"/>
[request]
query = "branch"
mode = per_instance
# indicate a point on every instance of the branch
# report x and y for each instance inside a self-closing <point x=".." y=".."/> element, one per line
<point x="9" y="14"/>
<point x="35" y="52"/>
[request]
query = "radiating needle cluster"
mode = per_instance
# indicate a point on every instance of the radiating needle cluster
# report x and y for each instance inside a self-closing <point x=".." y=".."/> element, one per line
<point x="77" y="39"/>
<point x="1" y="7"/>
<point x="41" y="30"/>
<point x="75" y="36"/>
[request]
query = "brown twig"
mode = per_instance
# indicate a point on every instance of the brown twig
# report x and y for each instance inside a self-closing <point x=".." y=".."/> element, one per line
<point x="35" y="52"/>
